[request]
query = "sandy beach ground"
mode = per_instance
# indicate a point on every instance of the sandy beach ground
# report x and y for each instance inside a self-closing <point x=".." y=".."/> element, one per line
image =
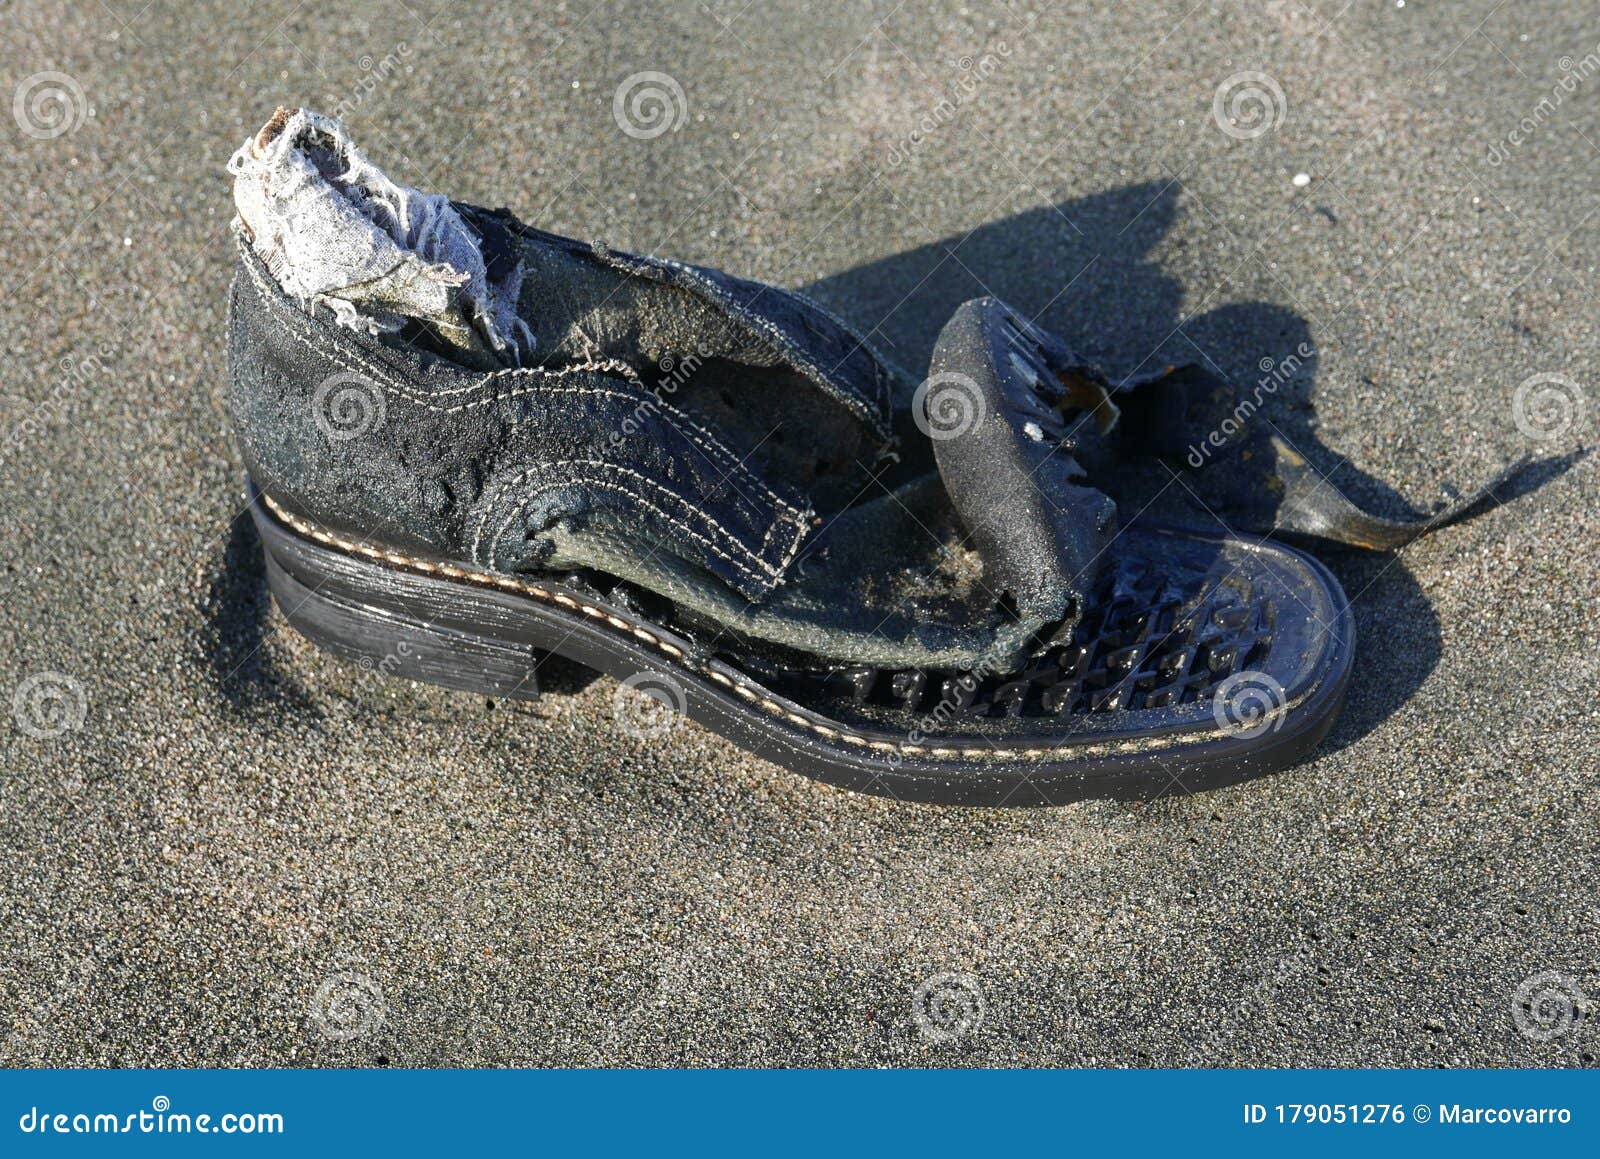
<point x="220" y="847"/>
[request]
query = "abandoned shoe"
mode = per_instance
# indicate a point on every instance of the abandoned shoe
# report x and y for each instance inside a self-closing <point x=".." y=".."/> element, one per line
<point x="472" y="444"/>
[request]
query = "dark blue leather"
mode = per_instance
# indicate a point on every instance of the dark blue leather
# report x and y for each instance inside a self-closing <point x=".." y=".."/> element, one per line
<point x="801" y="332"/>
<point x="475" y="466"/>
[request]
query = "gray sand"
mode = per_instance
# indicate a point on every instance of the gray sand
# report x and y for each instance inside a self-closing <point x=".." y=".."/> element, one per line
<point x="252" y="854"/>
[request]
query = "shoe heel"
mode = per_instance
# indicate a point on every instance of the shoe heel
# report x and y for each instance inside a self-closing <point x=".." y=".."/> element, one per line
<point x="386" y="622"/>
<point x="392" y="643"/>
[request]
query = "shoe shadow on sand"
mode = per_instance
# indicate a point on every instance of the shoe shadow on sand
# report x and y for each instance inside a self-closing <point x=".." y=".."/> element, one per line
<point x="1083" y="270"/>
<point x="238" y="619"/>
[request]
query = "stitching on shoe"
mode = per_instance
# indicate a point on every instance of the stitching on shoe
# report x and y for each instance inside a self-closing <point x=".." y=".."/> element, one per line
<point x="311" y="340"/>
<point x="766" y="575"/>
<point x="677" y="419"/>
<point x="800" y="527"/>
<point x="747" y="692"/>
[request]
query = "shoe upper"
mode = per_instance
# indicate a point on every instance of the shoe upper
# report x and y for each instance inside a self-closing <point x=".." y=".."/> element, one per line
<point x="446" y="382"/>
<point x="723" y="443"/>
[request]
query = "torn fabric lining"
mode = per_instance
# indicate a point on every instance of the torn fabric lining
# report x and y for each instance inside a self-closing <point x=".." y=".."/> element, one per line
<point x="335" y="230"/>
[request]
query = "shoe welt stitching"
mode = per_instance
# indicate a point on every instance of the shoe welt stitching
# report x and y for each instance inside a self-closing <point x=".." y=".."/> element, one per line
<point x="311" y="531"/>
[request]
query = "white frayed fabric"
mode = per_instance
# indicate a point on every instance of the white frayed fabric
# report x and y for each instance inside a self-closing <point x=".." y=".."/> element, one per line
<point x="335" y="230"/>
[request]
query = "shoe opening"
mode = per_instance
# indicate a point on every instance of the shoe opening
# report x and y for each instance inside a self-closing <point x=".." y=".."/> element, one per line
<point x="334" y="230"/>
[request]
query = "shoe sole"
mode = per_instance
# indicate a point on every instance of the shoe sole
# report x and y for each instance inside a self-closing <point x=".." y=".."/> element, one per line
<point x="460" y="628"/>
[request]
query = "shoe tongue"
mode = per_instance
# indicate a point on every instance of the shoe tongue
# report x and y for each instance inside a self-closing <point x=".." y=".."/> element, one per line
<point x="990" y="408"/>
<point x="335" y="230"/>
